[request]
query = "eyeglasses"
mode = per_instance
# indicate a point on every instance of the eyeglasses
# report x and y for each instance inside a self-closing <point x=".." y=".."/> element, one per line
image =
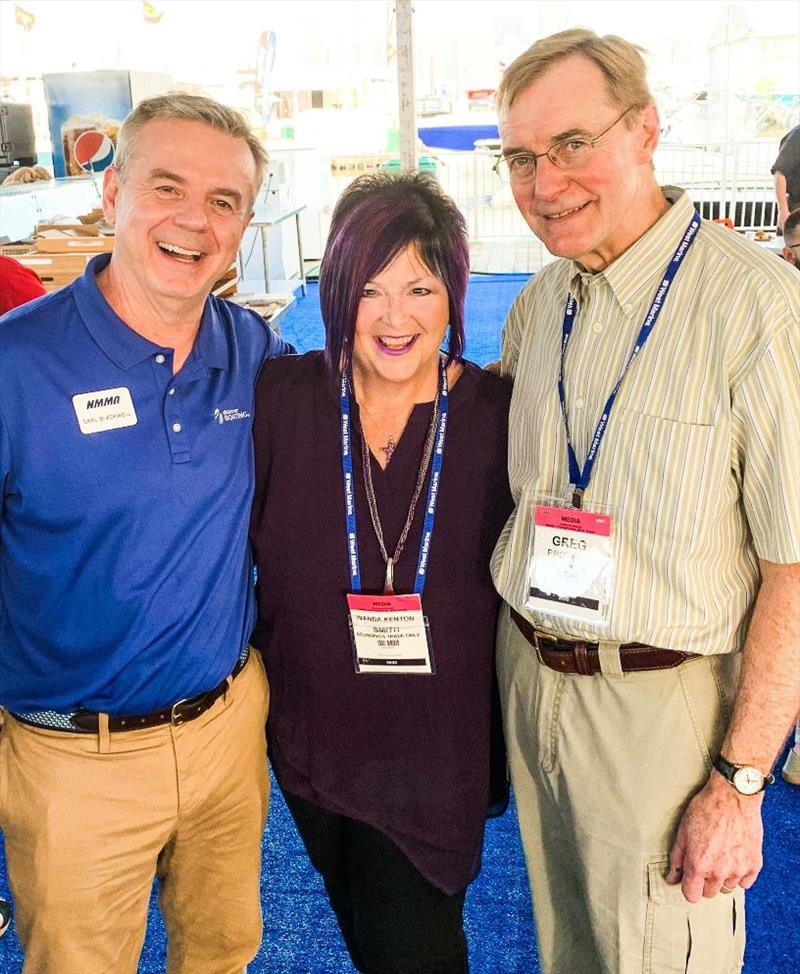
<point x="793" y="246"/>
<point x="568" y="154"/>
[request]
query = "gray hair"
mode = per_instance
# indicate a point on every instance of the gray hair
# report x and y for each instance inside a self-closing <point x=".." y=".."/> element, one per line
<point x="177" y="105"/>
<point x="620" y="62"/>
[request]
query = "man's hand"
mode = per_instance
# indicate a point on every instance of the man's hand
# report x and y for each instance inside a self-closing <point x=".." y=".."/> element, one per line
<point x="782" y="198"/>
<point x="718" y="842"/>
<point x="719" y="837"/>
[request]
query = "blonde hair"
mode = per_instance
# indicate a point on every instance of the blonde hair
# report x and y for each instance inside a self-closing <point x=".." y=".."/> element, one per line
<point x="179" y="106"/>
<point x="620" y="62"/>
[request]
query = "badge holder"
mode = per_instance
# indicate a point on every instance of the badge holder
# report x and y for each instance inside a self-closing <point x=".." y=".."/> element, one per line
<point x="571" y="562"/>
<point x="390" y="635"/>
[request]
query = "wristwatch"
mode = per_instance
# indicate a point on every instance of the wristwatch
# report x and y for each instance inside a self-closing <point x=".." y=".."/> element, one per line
<point x="746" y="779"/>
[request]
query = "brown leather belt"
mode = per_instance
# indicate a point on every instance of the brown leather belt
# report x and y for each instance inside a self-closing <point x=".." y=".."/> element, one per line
<point x="568" y="656"/>
<point x="88" y="721"/>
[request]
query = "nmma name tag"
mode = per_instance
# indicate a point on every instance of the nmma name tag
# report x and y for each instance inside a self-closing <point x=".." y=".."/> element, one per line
<point x="106" y="409"/>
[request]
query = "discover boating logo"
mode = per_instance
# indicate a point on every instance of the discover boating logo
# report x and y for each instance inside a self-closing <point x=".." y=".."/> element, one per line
<point x="229" y="415"/>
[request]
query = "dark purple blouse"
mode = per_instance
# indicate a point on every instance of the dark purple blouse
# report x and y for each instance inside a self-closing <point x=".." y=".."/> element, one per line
<point x="409" y="755"/>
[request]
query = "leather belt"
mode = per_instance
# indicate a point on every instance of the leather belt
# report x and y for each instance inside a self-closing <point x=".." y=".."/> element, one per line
<point x="88" y="721"/>
<point x="575" y="656"/>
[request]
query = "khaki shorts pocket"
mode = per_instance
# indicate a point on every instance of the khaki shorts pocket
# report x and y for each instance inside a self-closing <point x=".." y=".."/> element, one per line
<point x="549" y="697"/>
<point x="690" y="938"/>
<point x="706" y="705"/>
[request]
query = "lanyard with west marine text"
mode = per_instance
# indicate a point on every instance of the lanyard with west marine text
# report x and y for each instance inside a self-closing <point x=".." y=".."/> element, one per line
<point x="349" y="486"/>
<point x="579" y="479"/>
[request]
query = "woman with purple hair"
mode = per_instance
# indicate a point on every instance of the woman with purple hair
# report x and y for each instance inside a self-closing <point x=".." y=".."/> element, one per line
<point x="381" y="489"/>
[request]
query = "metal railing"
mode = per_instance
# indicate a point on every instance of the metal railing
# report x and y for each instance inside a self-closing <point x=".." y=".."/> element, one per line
<point x="725" y="180"/>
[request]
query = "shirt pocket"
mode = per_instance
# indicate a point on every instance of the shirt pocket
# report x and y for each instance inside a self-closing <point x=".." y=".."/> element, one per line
<point x="666" y="473"/>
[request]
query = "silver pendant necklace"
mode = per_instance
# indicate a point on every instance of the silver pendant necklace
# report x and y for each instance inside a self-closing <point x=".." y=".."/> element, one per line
<point x="391" y="442"/>
<point x="372" y="503"/>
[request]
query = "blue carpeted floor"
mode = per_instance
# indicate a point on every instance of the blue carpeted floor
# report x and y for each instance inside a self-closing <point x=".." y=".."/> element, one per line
<point x="300" y="935"/>
<point x="488" y="299"/>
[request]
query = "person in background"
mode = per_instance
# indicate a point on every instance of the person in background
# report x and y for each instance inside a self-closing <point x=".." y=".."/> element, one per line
<point x="791" y="767"/>
<point x="786" y="175"/>
<point x="649" y="660"/>
<point x="18" y="284"/>
<point x="791" y="253"/>
<point x="791" y="238"/>
<point x="133" y="743"/>
<point x="386" y="460"/>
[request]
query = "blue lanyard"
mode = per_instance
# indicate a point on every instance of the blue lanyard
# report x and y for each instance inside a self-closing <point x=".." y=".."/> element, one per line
<point x="349" y="490"/>
<point x="577" y="477"/>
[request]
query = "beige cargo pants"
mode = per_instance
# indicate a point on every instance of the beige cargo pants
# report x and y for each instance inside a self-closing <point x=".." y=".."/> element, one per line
<point x="602" y="767"/>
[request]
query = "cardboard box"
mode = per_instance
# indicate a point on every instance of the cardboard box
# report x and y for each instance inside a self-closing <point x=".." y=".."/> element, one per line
<point x="70" y="229"/>
<point x="15" y="250"/>
<point x="55" y="270"/>
<point x="66" y="242"/>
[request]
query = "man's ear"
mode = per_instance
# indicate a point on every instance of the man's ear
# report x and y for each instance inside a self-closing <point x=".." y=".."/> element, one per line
<point x="110" y="192"/>
<point x="649" y="132"/>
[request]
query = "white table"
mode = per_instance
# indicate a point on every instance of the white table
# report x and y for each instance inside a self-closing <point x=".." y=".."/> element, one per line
<point x="267" y="217"/>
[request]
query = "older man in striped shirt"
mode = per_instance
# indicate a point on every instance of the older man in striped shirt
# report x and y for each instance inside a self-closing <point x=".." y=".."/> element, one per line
<point x="649" y="659"/>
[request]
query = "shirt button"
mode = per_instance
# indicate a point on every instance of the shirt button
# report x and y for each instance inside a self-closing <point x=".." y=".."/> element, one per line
<point x="176" y="427"/>
<point x="579" y="403"/>
<point x="597" y="328"/>
<point x="171" y="392"/>
<point x="161" y="359"/>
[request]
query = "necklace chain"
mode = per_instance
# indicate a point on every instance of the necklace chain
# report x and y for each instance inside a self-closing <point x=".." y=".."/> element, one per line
<point x="372" y="502"/>
<point x="391" y="442"/>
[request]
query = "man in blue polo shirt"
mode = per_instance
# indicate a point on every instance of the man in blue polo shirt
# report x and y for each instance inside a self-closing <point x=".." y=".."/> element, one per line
<point x="134" y="743"/>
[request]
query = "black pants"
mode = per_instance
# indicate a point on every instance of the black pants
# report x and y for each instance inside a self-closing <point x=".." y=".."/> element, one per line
<point x="392" y="919"/>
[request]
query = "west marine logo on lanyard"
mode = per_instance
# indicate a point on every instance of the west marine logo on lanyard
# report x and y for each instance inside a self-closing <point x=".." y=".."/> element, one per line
<point x="389" y="631"/>
<point x="571" y="557"/>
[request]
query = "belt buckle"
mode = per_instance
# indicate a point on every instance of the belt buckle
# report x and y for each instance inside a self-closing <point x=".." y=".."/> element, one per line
<point x="175" y="716"/>
<point x="538" y="639"/>
<point x="543" y="637"/>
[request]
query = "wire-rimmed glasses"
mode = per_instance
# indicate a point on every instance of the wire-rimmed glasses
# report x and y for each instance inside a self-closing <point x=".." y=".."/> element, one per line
<point x="571" y="153"/>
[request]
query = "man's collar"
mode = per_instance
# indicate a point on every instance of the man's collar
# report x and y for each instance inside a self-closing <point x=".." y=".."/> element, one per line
<point x="211" y="344"/>
<point x="125" y="347"/>
<point x="643" y="262"/>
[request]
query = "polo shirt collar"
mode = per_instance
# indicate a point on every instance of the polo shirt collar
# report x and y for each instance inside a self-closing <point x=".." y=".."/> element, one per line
<point x="644" y="261"/>
<point x="211" y="345"/>
<point x="125" y="347"/>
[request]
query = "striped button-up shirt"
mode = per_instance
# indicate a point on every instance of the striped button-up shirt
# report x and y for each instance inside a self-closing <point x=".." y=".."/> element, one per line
<point x="700" y="461"/>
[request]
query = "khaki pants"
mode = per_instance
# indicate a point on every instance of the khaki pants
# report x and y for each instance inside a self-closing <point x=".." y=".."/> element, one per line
<point x="90" y="819"/>
<point x="602" y="768"/>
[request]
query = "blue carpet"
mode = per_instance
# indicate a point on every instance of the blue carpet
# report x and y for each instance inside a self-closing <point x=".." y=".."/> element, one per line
<point x="300" y="935"/>
<point x="488" y="299"/>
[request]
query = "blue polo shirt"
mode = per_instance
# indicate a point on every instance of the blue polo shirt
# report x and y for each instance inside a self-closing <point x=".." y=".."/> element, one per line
<point x="125" y="572"/>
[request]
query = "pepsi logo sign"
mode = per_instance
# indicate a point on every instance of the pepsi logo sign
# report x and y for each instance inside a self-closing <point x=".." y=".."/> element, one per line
<point x="94" y="151"/>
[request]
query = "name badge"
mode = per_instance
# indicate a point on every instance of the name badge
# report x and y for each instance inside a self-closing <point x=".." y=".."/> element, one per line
<point x="390" y="634"/>
<point x="107" y="409"/>
<point x="571" y="565"/>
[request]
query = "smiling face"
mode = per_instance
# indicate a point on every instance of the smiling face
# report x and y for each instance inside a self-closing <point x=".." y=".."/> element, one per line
<point x="179" y="210"/>
<point x="401" y="323"/>
<point x="591" y="214"/>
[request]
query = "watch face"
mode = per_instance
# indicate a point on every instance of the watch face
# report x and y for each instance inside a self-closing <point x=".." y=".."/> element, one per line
<point x="748" y="781"/>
